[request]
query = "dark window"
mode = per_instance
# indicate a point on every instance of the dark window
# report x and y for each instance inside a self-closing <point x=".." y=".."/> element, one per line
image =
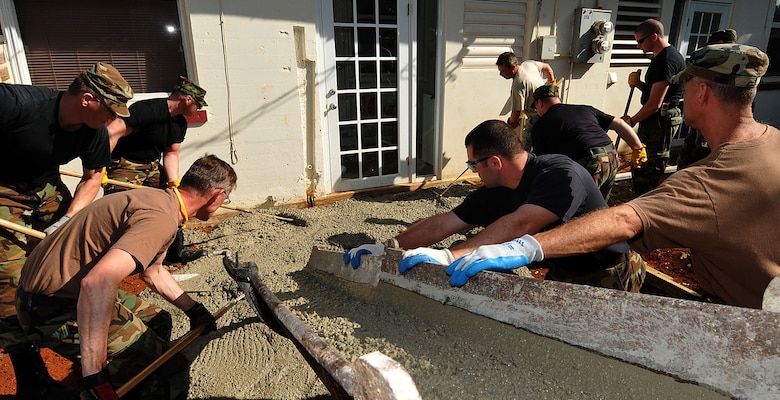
<point x="140" y="38"/>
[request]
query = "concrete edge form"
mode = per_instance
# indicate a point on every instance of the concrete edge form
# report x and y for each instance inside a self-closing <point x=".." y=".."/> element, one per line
<point x="730" y="349"/>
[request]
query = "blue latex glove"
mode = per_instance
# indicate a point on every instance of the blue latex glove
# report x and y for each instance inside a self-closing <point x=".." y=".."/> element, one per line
<point x="495" y="257"/>
<point x="410" y="258"/>
<point x="53" y="227"/>
<point x="353" y="255"/>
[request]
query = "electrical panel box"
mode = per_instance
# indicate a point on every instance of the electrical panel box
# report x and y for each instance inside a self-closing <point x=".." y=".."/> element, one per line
<point x="548" y="48"/>
<point x="593" y="29"/>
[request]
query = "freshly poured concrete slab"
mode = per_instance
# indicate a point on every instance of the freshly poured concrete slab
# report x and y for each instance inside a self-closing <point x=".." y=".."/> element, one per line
<point x="731" y="349"/>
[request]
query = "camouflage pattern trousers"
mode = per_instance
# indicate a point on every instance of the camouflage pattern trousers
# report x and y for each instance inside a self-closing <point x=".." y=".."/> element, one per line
<point x="124" y="170"/>
<point x="603" y="165"/>
<point x="138" y="334"/>
<point x="627" y="275"/>
<point x="32" y="205"/>
<point x="656" y="133"/>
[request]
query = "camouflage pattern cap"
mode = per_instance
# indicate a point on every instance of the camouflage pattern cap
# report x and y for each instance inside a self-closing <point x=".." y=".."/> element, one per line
<point x="729" y="64"/>
<point x="108" y="83"/>
<point x="545" y="91"/>
<point x="723" y="36"/>
<point x="187" y="86"/>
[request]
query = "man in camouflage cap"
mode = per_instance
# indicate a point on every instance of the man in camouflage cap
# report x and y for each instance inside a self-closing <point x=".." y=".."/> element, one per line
<point x="42" y="129"/>
<point x="716" y="207"/>
<point x="694" y="147"/>
<point x="152" y="135"/>
<point x="723" y="36"/>
<point x="580" y="132"/>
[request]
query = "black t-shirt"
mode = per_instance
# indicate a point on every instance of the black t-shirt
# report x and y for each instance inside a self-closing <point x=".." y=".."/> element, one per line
<point x="36" y="145"/>
<point x="570" y="130"/>
<point x="154" y="130"/>
<point x="662" y="68"/>
<point x="553" y="182"/>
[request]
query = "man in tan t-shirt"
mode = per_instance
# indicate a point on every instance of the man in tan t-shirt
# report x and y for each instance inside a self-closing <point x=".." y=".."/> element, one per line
<point x="710" y="207"/>
<point x="68" y="298"/>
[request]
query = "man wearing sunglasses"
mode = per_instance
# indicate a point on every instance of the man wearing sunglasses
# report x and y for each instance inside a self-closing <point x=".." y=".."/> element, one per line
<point x="660" y="116"/>
<point x="41" y="129"/>
<point x="522" y="192"/>
<point x="152" y="135"/>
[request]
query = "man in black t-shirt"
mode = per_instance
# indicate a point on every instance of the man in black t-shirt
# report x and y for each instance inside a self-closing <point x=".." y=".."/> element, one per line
<point x="580" y="132"/>
<point x="42" y="129"/>
<point x="153" y="135"/>
<point x="660" y="116"/>
<point x="521" y="193"/>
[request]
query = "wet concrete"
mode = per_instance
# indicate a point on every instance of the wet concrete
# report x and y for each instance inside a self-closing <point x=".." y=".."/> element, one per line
<point x="451" y="353"/>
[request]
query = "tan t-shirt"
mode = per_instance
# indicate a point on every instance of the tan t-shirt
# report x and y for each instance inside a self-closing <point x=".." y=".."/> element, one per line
<point x="141" y="222"/>
<point x="725" y="209"/>
<point x="528" y="78"/>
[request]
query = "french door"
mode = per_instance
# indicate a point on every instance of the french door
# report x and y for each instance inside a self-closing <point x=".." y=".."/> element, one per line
<point x="366" y="91"/>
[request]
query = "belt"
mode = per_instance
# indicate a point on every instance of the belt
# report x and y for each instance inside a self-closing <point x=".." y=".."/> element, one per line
<point x="594" y="151"/>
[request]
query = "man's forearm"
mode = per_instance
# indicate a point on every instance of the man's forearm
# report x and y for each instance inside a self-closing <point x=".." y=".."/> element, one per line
<point x="591" y="232"/>
<point x="85" y="192"/>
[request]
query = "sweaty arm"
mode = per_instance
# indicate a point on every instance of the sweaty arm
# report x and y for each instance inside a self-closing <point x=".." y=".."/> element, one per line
<point x="171" y="161"/>
<point x="96" y="305"/>
<point x="626" y="133"/>
<point x="591" y="232"/>
<point x="654" y="102"/>
<point x="117" y="129"/>
<point x="527" y="219"/>
<point x="161" y="281"/>
<point x="548" y="73"/>
<point x="86" y="190"/>
<point x="431" y="230"/>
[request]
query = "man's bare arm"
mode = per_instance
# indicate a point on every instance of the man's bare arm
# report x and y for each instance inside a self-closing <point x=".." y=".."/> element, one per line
<point x="430" y="230"/>
<point x="591" y="232"/>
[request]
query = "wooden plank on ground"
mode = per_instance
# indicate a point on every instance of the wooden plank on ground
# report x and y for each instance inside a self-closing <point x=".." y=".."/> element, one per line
<point x="666" y="284"/>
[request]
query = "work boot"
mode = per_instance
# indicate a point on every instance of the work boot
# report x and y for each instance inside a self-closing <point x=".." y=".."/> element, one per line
<point x="32" y="378"/>
<point x="178" y="253"/>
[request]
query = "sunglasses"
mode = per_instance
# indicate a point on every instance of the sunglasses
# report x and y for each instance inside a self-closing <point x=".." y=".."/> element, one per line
<point x="642" y="40"/>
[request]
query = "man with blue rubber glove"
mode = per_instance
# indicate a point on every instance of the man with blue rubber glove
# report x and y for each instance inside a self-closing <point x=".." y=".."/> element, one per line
<point x="522" y="194"/>
<point x="495" y="257"/>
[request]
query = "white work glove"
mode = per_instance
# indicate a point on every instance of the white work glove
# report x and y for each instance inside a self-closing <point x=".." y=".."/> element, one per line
<point x="353" y="255"/>
<point x="53" y="227"/>
<point x="413" y="257"/>
<point x="495" y="257"/>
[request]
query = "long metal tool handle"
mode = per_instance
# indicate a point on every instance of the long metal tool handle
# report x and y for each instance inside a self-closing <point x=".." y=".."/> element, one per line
<point x="183" y="341"/>
<point x="628" y="104"/>
<point x="23" y="229"/>
<point x="134" y="186"/>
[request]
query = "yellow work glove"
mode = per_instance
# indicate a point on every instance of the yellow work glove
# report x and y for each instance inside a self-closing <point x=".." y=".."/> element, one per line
<point x="633" y="79"/>
<point x="104" y="179"/>
<point x="174" y="183"/>
<point x="628" y="120"/>
<point x="638" y="157"/>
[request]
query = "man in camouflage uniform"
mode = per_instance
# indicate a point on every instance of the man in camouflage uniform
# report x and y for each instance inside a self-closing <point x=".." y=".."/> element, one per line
<point x="73" y="306"/>
<point x="695" y="147"/>
<point x="42" y="129"/>
<point x="580" y="132"/>
<point x="660" y="116"/>
<point x="155" y="128"/>
<point x="522" y="193"/>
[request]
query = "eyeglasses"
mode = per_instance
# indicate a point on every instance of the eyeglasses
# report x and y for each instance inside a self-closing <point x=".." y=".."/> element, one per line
<point x="102" y="102"/>
<point x="473" y="164"/>
<point x="227" y="199"/>
<point x="642" y="40"/>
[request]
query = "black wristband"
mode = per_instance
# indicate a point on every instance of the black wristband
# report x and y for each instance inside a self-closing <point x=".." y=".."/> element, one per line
<point x="91" y="381"/>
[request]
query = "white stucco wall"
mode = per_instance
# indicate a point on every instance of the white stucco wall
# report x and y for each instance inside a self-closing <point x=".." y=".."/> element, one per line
<point x="264" y="108"/>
